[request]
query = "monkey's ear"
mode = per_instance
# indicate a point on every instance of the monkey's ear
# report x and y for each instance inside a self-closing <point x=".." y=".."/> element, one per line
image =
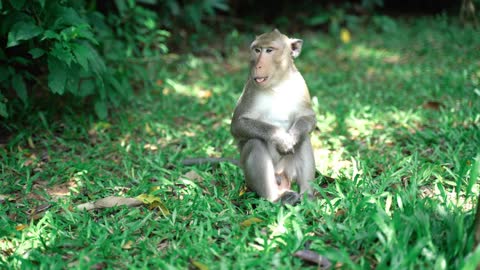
<point x="296" y="45"/>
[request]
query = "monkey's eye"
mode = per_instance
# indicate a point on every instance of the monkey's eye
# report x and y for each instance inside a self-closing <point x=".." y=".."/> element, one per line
<point x="257" y="50"/>
<point x="269" y="50"/>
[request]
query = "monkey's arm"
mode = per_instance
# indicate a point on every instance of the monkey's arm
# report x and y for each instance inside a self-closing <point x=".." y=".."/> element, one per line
<point x="302" y="126"/>
<point x="244" y="128"/>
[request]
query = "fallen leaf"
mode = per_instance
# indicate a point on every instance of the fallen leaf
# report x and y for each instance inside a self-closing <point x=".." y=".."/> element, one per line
<point x="163" y="245"/>
<point x="30" y="161"/>
<point x="39" y="211"/>
<point x="153" y="202"/>
<point x="102" y="126"/>
<point x="148" y="198"/>
<point x="154" y="188"/>
<point x="340" y="212"/>
<point x="193" y="175"/>
<point x="30" y="142"/>
<point x="391" y="59"/>
<point x="433" y="105"/>
<point x="312" y="257"/>
<point x="199" y="265"/>
<point x="21" y="227"/>
<point x="242" y="190"/>
<point x="4" y="198"/>
<point x="249" y="222"/>
<point x="148" y="129"/>
<point x="345" y="35"/>
<point x="109" y="202"/>
<point x="150" y="147"/>
<point x="204" y="94"/>
<point x="128" y="245"/>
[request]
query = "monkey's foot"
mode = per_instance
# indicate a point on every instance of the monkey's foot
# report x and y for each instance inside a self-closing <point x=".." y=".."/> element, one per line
<point x="290" y="197"/>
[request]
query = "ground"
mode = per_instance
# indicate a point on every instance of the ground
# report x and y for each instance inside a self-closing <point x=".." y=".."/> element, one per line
<point x="397" y="137"/>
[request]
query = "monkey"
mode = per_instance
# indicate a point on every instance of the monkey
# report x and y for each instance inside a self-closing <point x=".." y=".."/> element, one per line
<point x="272" y="121"/>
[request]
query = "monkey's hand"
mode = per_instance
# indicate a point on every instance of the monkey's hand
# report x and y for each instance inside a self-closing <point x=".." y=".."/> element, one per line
<point x="283" y="142"/>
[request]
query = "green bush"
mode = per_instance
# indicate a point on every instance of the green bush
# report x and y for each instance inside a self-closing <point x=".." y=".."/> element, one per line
<point x="63" y="47"/>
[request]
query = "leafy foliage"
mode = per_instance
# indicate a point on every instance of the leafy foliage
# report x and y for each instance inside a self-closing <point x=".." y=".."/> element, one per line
<point x="73" y="45"/>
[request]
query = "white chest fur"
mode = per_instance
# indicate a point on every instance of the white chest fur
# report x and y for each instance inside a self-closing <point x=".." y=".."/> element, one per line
<point x="279" y="105"/>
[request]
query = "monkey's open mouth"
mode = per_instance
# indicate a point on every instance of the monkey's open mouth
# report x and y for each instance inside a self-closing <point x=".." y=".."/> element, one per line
<point x="260" y="79"/>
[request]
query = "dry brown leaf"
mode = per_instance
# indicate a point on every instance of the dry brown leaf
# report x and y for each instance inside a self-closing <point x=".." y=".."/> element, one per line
<point x="62" y="190"/>
<point x="433" y="105"/>
<point x="109" y="202"/>
<point x="30" y="161"/>
<point x="4" y="198"/>
<point x="312" y="257"/>
<point x="193" y="175"/>
<point x="340" y="212"/>
<point x="204" y="94"/>
<point x="21" y="227"/>
<point x="128" y="245"/>
<point x="39" y="211"/>
<point x="150" y="147"/>
<point x="242" y="190"/>
<point x="392" y="59"/>
<point x="163" y="245"/>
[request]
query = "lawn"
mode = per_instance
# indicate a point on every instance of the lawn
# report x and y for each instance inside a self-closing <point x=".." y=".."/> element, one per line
<point x="397" y="138"/>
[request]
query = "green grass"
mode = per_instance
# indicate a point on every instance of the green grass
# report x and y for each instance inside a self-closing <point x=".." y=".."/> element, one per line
<point x="398" y="129"/>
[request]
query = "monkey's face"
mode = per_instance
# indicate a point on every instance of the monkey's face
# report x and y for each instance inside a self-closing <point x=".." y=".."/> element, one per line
<point x="271" y="58"/>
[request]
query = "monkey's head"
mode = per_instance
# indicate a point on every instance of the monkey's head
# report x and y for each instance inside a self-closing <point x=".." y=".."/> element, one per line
<point x="272" y="57"/>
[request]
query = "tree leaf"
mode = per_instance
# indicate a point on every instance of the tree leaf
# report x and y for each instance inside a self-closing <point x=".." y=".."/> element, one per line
<point x="101" y="109"/>
<point x="87" y="87"/>
<point x="20" y="88"/>
<point x="3" y="109"/>
<point x="36" y="52"/>
<point x="49" y="34"/>
<point x="82" y="53"/>
<point x="57" y="75"/>
<point x="17" y="4"/>
<point x="5" y="73"/>
<point x="96" y="61"/>
<point x="62" y="51"/>
<point x="23" y="30"/>
<point x="67" y="16"/>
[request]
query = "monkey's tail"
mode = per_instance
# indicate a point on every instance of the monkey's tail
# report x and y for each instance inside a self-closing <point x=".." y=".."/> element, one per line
<point x="208" y="160"/>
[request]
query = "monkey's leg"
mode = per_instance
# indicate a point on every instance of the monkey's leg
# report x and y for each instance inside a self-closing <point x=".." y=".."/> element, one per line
<point x="258" y="169"/>
<point x="283" y="169"/>
<point x="305" y="166"/>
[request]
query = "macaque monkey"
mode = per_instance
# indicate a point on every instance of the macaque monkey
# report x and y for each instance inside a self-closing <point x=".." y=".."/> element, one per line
<point x="272" y="121"/>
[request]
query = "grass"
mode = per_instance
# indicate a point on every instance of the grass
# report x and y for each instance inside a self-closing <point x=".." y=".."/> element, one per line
<point x="398" y="128"/>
